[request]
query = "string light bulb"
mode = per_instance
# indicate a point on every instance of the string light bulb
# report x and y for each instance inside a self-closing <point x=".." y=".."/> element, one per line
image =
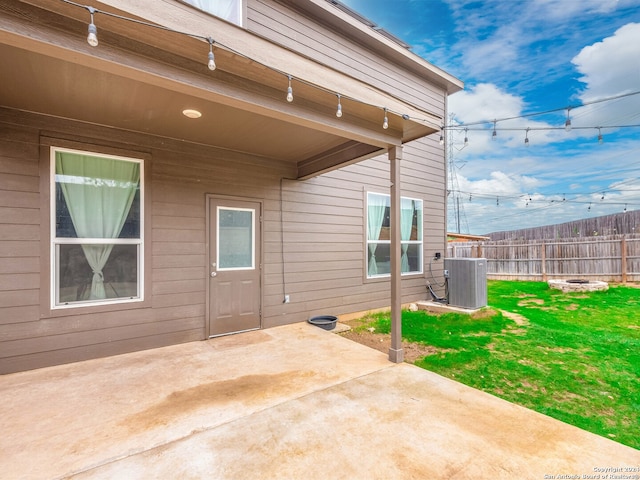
<point x="526" y="137"/>
<point x="92" y="37"/>
<point x="567" y="123"/>
<point x="211" y="64"/>
<point x="466" y="138"/>
<point x="494" y="135"/>
<point x="441" y="137"/>
<point x="289" y="91"/>
<point x="625" y="208"/>
<point x="600" y="138"/>
<point x="385" y="122"/>
<point x="339" y="110"/>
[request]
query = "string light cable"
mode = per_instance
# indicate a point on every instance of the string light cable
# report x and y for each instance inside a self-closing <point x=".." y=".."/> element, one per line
<point x="546" y="112"/>
<point x="92" y="39"/>
<point x="482" y="125"/>
<point x="599" y="128"/>
<point x="538" y="203"/>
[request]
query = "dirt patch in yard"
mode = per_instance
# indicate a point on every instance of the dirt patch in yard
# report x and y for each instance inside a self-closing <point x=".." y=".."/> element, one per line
<point x="535" y="301"/>
<point x="516" y="317"/>
<point x="382" y="342"/>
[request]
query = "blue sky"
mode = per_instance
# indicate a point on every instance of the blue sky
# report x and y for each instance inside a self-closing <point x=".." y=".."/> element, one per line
<point x="521" y="57"/>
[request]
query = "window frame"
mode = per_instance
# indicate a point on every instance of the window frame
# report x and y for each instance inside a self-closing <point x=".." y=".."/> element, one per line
<point x="419" y="242"/>
<point x="55" y="242"/>
<point x="240" y="9"/>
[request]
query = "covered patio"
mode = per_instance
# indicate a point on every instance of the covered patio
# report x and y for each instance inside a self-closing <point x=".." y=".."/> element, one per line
<point x="289" y="402"/>
<point x="145" y="71"/>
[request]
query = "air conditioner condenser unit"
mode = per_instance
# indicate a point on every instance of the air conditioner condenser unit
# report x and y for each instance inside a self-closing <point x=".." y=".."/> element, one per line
<point x="467" y="282"/>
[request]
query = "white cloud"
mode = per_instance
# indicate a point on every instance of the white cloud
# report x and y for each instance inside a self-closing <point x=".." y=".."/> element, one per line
<point x="554" y="9"/>
<point x="499" y="184"/>
<point x="483" y="102"/>
<point x="609" y="68"/>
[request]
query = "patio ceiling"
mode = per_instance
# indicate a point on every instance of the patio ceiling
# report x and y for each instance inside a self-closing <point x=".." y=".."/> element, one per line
<point x="141" y="79"/>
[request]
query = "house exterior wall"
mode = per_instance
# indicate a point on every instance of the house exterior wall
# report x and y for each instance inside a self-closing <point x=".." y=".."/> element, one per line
<point x="305" y="35"/>
<point x="313" y="231"/>
<point x="341" y="192"/>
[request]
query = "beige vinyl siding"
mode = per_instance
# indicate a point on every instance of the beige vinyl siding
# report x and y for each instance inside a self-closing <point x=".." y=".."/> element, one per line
<point x="325" y="267"/>
<point x="19" y="230"/>
<point x="296" y="31"/>
<point x="323" y="220"/>
<point x="31" y="339"/>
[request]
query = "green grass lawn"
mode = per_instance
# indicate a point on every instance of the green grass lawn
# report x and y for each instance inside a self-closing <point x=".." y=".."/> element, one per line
<point x="574" y="357"/>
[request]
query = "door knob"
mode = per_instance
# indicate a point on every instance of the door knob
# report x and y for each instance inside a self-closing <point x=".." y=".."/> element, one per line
<point x="213" y="274"/>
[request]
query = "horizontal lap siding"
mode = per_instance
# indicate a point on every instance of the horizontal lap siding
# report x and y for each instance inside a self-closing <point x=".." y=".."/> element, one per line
<point x="324" y="238"/>
<point x="302" y="34"/>
<point x="30" y="339"/>
<point x="19" y="230"/>
<point x="423" y="169"/>
<point x="323" y="222"/>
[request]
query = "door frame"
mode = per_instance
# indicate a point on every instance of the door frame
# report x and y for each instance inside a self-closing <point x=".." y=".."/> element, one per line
<point x="208" y="240"/>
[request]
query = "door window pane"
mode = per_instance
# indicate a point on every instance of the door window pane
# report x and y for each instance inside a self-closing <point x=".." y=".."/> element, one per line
<point x="235" y="238"/>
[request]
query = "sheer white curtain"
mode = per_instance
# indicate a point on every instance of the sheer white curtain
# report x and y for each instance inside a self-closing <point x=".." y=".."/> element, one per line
<point x="98" y="193"/>
<point x="376" y="207"/>
<point x="407" y="208"/>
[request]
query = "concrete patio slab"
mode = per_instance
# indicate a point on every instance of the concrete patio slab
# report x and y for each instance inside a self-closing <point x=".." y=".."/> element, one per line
<point x="289" y="402"/>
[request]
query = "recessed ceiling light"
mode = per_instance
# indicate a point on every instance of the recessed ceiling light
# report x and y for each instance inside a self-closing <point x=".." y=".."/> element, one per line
<point x="191" y="113"/>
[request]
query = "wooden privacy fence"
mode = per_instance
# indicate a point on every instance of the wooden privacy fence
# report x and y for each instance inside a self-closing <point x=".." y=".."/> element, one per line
<point x="610" y="259"/>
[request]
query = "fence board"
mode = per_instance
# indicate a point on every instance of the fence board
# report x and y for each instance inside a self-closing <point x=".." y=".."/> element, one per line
<point x="614" y="258"/>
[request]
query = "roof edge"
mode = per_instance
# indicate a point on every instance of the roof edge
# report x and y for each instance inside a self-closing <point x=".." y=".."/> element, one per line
<point x="333" y="12"/>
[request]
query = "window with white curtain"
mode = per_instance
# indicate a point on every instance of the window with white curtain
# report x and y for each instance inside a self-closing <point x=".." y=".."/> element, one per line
<point x="97" y="225"/>
<point x="379" y="235"/>
<point x="230" y="10"/>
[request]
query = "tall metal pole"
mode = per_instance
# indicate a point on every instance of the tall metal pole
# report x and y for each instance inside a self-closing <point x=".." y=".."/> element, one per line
<point x="451" y="184"/>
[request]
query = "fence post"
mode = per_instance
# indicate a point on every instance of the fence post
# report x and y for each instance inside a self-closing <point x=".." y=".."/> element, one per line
<point x="623" y="259"/>
<point x="543" y="259"/>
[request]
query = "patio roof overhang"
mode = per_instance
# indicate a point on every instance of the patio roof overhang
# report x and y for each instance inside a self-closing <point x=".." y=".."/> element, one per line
<point x="141" y="78"/>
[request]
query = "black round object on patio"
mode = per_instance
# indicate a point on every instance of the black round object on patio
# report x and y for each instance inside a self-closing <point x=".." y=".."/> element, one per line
<point x="327" y="322"/>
